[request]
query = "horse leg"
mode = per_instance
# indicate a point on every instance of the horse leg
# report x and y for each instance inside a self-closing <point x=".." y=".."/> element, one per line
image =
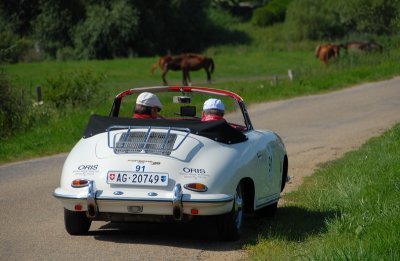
<point x="163" y="77"/>
<point x="184" y="77"/>
<point x="326" y="62"/>
<point x="188" y="78"/>
<point x="208" y="75"/>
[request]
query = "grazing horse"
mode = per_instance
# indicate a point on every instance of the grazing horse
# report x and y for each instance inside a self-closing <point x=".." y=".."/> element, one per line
<point x="167" y="63"/>
<point x="364" y="46"/>
<point x="327" y="51"/>
<point x="194" y="62"/>
<point x="184" y="63"/>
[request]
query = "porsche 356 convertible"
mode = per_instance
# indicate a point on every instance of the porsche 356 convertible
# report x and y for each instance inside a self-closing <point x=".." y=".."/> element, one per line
<point x="175" y="168"/>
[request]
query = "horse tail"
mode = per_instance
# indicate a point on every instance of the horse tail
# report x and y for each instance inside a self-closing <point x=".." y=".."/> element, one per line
<point x="317" y="51"/>
<point x="212" y="65"/>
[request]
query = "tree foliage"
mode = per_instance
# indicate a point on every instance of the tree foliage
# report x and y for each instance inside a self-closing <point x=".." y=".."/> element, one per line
<point x="102" y="29"/>
<point x="20" y="14"/>
<point x="52" y="25"/>
<point x="107" y="31"/>
<point x="330" y="19"/>
<point x="381" y="17"/>
<point x="273" y="12"/>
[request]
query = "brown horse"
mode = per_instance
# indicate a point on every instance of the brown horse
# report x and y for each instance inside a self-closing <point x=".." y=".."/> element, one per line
<point x="194" y="62"/>
<point x="369" y="46"/>
<point x="327" y="51"/>
<point x="185" y="63"/>
<point x="167" y="63"/>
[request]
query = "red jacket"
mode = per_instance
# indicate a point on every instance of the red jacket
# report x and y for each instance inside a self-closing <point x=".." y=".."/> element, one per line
<point x="211" y="117"/>
<point x="142" y="116"/>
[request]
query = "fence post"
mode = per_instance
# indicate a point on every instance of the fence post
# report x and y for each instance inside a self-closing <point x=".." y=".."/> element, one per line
<point x="274" y="81"/>
<point x="290" y="74"/>
<point x="39" y="95"/>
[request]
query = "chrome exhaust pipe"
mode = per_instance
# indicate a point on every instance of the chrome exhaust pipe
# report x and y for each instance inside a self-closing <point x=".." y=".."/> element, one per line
<point x="177" y="207"/>
<point x="91" y="201"/>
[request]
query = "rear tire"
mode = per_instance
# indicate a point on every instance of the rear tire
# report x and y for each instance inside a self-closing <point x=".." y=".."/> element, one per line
<point x="230" y="224"/>
<point x="284" y="173"/>
<point x="76" y="223"/>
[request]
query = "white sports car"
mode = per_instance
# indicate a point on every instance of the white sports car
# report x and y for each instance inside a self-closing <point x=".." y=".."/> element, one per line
<point x="172" y="169"/>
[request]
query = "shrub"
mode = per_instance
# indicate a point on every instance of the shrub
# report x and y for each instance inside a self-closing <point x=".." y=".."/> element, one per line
<point x="263" y="17"/>
<point x="14" y="49"/>
<point x="79" y="89"/>
<point x="273" y="12"/>
<point x="66" y="54"/>
<point x="17" y="111"/>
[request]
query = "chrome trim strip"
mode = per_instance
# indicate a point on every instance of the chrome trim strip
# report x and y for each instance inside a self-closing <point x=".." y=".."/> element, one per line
<point x="133" y="199"/>
<point x="106" y="198"/>
<point x="230" y="199"/>
<point x="63" y="196"/>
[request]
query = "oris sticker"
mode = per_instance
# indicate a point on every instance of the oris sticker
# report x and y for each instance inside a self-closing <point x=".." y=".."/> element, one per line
<point x="193" y="170"/>
<point x="194" y="173"/>
<point x="86" y="169"/>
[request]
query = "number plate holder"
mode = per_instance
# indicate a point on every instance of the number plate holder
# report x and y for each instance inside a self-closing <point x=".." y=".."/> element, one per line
<point x="133" y="178"/>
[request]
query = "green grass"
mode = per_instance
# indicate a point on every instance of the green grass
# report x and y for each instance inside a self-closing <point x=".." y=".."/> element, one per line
<point x="246" y="72"/>
<point x="348" y="210"/>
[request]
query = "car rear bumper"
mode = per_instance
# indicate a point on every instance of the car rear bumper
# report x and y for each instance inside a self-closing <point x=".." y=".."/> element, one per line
<point x="101" y="206"/>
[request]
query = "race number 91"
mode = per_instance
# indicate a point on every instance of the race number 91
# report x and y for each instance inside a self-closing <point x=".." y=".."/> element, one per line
<point x="140" y="167"/>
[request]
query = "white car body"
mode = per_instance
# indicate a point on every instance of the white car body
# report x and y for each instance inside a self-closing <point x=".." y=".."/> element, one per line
<point x="129" y="170"/>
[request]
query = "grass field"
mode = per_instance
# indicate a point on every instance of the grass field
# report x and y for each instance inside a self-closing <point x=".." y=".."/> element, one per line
<point x="348" y="210"/>
<point x="249" y="73"/>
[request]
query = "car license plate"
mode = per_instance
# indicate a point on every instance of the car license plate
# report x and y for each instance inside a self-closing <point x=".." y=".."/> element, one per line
<point x="137" y="178"/>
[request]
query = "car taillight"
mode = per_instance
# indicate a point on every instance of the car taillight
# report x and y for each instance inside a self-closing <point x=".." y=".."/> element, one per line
<point x="199" y="187"/>
<point x="79" y="183"/>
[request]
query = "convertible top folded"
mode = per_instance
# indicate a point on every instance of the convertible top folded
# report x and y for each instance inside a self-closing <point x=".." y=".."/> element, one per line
<point x="219" y="131"/>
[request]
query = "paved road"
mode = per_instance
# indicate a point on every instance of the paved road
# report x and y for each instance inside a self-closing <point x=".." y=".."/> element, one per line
<point x="315" y="129"/>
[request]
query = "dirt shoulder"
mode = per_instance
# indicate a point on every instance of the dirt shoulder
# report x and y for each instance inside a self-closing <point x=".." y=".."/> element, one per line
<point x="321" y="128"/>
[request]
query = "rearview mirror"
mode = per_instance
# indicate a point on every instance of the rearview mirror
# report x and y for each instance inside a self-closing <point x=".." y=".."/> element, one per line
<point x="182" y="99"/>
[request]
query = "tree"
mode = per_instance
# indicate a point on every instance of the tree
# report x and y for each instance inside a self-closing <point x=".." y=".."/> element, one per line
<point x="20" y="14"/>
<point x="273" y="12"/>
<point x="108" y="30"/>
<point x="380" y="17"/>
<point x="330" y="19"/>
<point x="52" y="25"/>
<point x="172" y="26"/>
<point x="314" y="19"/>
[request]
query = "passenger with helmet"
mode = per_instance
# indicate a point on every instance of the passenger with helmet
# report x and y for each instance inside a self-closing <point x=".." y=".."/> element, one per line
<point x="147" y="106"/>
<point x="213" y="109"/>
